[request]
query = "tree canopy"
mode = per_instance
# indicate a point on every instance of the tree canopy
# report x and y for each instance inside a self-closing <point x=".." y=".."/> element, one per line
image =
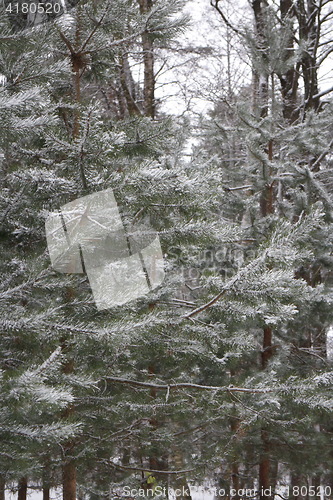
<point x="221" y="376"/>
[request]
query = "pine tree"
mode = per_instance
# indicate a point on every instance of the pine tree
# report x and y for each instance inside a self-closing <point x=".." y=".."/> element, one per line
<point x="267" y="195"/>
<point x="79" y="148"/>
<point x="31" y="396"/>
<point x="215" y="368"/>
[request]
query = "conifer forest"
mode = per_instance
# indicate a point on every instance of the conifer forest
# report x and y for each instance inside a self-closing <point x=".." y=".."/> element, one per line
<point x="198" y="364"/>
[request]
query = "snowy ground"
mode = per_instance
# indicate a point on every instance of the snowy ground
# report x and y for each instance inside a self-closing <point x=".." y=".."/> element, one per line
<point x="197" y="494"/>
<point x="32" y="495"/>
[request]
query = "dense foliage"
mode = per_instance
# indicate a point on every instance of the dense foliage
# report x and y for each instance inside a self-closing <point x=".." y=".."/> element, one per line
<point x="221" y="376"/>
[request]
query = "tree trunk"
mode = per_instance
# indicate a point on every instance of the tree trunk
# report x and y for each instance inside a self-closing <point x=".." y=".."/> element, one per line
<point x="295" y="481"/>
<point x="308" y="34"/>
<point x="2" y="488"/>
<point x="46" y="493"/>
<point x="180" y="481"/>
<point x="234" y="426"/>
<point x="78" y="60"/>
<point x="266" y="208"/>
<point x="267" y="348"/>
<point x="77" y="89"/>
<point x="265" y="468"/>
<point x="289" y="78"/>
<point x="148" y="63"/>
<point x="69" y="466"/>
<point x="235" y="479"/>
<point x="260" y="79"/>
<point x="261" y="72"/>
<point x="127" y="86"/>
<point x="274" y="475"/>
<point x="69" y="481"/>
<point x="22" y="489"/>
<point x="264" y="462"/>
<point x="78" y="63"/>
<point x="316" y="482"/>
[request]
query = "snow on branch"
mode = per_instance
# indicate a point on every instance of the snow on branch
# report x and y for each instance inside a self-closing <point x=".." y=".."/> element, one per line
<point x="186" y="385"/>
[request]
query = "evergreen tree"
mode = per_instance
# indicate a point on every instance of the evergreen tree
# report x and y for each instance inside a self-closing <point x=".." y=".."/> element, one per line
<point x="224" y="366"/>
<point x="267" y="188"/>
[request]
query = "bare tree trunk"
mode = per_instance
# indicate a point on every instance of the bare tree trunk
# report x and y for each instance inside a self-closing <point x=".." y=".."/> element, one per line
<point x="266" y="208"/>
<point x="289" y="78"/>
<point x="316" y="482"/>
<point x="274" y="475"/>
<point x="155" y="462"/>
<point x="78" y="64"/>
<point x="46" y="493"/>
<point x="77" y="89"/>
<point x="234" y="426"/>
<point x="127" y="86"/>
<point x="180" y="481"/>
<point x="264" y="461"/>
<point x="267" y="347"/>
<point x="148" y="62"/>
<point x="46" y="478"/>
<point x="69" y="481"/>
<point x="308" y="33"/>
<point x="265" y="468"/>
<point x="22" y="489"/>
<point x="2" y="488"/>
<point x="295" y="480"/>
<point x="121" y="103"/>
<point x="260" y="79"/>
<point x="235" y="479"/>
<point x="262" y="45"/>
<point x="69" y="466"/>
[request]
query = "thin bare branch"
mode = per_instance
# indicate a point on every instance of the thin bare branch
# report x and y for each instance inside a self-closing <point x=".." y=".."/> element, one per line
<point x="186" y="385"/>
<point x="237" y="188"/>
<point x="215" y="5"/>
<point x="95" y="28"/>
<point x="66" y="41"/>
<point x="322" y="156"/>
<point x="142" y="469"/>
<point x="205" y="306"/>
<point x="227" y="286"/>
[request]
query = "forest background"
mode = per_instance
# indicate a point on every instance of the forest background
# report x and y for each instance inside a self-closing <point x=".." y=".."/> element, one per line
<point x="221" y="377"/>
